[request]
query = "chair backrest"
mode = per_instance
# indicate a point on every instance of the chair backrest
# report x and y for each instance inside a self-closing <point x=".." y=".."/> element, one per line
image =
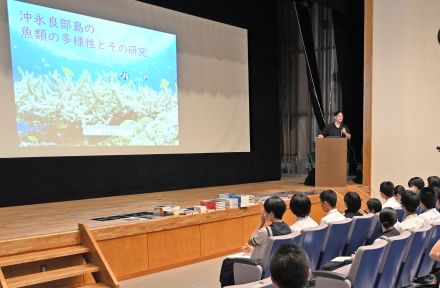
<point x="427" y="262"/>
<point x="311" y="242"/>
<point x="273" y="244"/>
<point x="359" y="230"/>
<point x="334" y="241"/>
<point x="365" y="266"/>
<point x="392" y="260"/>
<point x="400" y="214"/>
<point x="412" y="256"/>
<point x="375" y="229"/>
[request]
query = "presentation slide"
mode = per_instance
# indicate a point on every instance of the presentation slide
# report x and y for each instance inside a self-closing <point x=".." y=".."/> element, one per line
<point x="119" y="77"/>
<point x="85" y="81"/>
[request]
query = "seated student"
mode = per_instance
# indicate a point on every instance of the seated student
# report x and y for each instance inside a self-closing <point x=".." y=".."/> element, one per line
<point x="387" y="193"/>
<point x="428" y="205"/>
<point x="434" y="181"/>
<point x="387" y="219"/>
<point x="300" y="205"/>
<point x="328" y="204"/>
<point x="352" y="202"/>
<point x="398" y="190"/>
<point x="416" y="183"/>
<point x="273" y="211"/>
<point x="290" y="268"/>
<point x="373" y="206"/>
<point x="412" y="222"/>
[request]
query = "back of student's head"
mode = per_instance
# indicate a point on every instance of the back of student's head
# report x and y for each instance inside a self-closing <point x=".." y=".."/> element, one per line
<point x="289" y="267"/>
<point x="300" y="204"/>
<point x="329" y="196"/>
<point x="353" y="201"/>
<point x="387" y="188"/>
<point x="374" y="205"/>
<point x="410" y="200"/>
<point x="416" y="182"/>
<point x="434" y="181"/>
<point x="276" y="205"/>
<point x="398" y="190"/>
<point x="428" y="197"/>
<point x="387" y="217"/>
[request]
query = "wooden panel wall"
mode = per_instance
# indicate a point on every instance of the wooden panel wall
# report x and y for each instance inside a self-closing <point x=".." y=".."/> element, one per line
<point x="368" y="91"/>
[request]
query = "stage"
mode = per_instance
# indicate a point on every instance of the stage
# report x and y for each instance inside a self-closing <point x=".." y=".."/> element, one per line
<point x="138" y="247"/>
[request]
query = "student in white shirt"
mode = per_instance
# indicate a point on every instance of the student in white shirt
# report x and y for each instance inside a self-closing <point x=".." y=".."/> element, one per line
<point x="373" y="206"/>
<point x="398" y="190"/>
<point x="328" y="204"/>
<point x="416" y="183"/>
<point x="412" y="222"/>
<point x="300" y="206"/>
<point x="387" y="193"/>
<point x="428" y="204"/>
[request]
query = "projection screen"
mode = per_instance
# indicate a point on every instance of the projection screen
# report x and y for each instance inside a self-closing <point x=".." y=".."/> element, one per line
<point x="107" y="77"/>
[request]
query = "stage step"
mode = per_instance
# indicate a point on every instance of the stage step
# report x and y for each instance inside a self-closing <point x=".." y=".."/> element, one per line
<point x="42" y="255"/>
<point x="51" y="275"/>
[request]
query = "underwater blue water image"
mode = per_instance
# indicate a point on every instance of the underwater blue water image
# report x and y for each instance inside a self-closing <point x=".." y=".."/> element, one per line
<point x="85" y="81"/>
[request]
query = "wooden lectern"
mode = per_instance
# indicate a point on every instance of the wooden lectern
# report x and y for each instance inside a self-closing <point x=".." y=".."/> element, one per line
<point x="331" y="162"/>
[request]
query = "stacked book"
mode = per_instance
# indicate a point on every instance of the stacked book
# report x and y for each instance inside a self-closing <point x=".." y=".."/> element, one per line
<point x="210" y="204"/>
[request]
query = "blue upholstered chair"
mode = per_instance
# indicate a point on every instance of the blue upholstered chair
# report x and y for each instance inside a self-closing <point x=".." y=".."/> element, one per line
<point x="427" y="262"/>
<point x="412" y="256"/>
<point x="400" y="214"/>
<point x="361" y="273"/>
<point x="249" y="271"/>
<point x="359" y="230"/>
<point x="334" y="241"/>
<point x="375" y="229"/>
<point x="311" y="242"/>
<point x="392" y="260"/>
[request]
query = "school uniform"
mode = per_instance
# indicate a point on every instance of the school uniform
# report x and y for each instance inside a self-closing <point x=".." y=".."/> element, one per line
<point x="430" y="216"/>
<point x="411" y="223"/>
<point x="392" y="203"/>
<point x="303" y="223"/>
<point x="332" y="216"/>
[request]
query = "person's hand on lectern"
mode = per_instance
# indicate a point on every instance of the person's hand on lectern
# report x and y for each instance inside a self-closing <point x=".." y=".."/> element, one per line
<point x="320" y="136"/>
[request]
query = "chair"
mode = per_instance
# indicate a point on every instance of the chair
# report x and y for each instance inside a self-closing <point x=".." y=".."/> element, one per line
<point x="391" y="261"/>
<point x="361" y="273"/>
<point x="265" y="283"/>
<point x="311" y="242"/>
<point x="375" y="230"/>
<point x="400" y="214"/>
<point x="427" y="262"/>
<point x="246" y="270"/>
<point x="412" y="256"/>
<point x="359" y="230"/>
<point x="334" y="241"/>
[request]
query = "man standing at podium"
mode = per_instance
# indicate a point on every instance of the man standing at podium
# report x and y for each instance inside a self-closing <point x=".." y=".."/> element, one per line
<point x="336" y="128"/>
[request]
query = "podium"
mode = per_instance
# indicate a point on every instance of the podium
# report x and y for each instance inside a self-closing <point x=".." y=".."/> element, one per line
<point x="331" y="161"/>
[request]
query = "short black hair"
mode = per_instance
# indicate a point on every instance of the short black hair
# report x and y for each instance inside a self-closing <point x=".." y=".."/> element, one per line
<point x="374" y="204"/>
<point x="353" y="201"/>
<point x="289" y="267"/>
<point x="434" y="181"/>
<point x="337" y="112"/>
<point x="416" y="181"/>
<point x="387" y="188"/>
<point x="300" y="204"/>
<point x="387" y="217"/>
<point x="428" y="197"/>
<point x="399" y="190"/>
<point x="276" y="205"/>
<point x="329" y="196"/>
<point x="410" y="200"/>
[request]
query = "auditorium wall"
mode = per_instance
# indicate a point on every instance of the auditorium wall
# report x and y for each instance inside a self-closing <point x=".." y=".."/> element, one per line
<point x="405" y="91"/>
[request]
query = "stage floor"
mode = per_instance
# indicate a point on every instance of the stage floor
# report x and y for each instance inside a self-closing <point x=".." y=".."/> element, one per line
<point x="43" y="219"/>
